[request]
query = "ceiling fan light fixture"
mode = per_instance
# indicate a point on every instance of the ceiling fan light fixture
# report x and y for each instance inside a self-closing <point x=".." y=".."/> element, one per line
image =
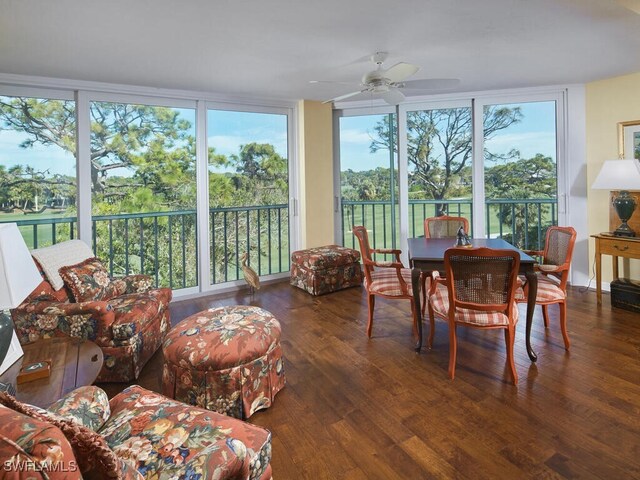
<point x="387" y="83"/>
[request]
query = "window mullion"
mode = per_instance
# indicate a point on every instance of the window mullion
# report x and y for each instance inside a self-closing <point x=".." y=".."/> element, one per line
<point x="478" y="194"/>
<point x="83" y="166"/>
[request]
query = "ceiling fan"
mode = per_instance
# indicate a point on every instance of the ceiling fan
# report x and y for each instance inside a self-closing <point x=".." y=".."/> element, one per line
<point x="387" y="84"/>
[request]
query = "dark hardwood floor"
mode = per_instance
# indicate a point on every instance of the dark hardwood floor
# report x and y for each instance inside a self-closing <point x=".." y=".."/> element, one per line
<point x="359" y="408"/>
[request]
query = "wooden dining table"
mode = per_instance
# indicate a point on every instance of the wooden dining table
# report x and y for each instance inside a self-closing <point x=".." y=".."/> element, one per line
<point x="427" y="255"/>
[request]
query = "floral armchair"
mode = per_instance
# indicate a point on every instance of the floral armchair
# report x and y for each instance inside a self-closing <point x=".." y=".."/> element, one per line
<point x="139" y="434"/>
<point x="125" y="317"/>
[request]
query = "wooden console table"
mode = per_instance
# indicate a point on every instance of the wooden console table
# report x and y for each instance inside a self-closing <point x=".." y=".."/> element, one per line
<point x="607" y="244"/>
<point x="74" y="363"/>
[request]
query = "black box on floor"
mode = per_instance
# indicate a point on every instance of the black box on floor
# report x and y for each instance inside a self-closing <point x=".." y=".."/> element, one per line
<point x="625" y="293"/>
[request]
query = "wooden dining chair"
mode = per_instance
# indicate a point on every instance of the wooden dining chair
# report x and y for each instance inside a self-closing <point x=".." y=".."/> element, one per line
<point x="478" y="291"/>
<point x="388" y="279"/>
<point x="444" y="226"/>
<point x="552" y="273"/>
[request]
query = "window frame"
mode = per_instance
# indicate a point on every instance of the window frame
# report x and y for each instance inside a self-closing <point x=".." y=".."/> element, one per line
<point x="85" y="92"/>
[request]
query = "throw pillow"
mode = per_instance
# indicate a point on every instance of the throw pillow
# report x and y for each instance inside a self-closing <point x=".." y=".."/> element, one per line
<point x="94" y="457"/>
<point x="55" y="256"/>
<point x="89" y="281"/>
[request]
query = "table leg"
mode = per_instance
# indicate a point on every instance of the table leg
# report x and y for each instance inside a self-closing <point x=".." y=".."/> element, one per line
<point x="598" y="274"/>
<point x="532" y="281"/>
<point x="614" y="264"/>
<point x="415" y="286"/>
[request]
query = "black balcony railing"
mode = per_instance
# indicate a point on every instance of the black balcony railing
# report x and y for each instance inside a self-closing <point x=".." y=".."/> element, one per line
<point x="164" y="244"/>
<point x="521" y="222"/>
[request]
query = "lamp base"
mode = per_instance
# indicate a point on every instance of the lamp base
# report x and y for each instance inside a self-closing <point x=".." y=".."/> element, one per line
<point x="624" y="205"/>
<point x="624" y="231"/>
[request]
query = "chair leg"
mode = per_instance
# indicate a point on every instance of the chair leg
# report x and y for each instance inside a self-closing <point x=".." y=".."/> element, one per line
<point x="432" y="326"/>
<point x="372" y="302"/>
<point x="423" y="280"/>
<point x="509" y="338"/>
<point x="563" y="324"/>
<point x="453" y="350"/>
<point x="545" y="315"/>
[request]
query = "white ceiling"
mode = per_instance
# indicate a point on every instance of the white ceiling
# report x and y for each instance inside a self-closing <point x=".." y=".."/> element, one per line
<point x="272" y="48"/>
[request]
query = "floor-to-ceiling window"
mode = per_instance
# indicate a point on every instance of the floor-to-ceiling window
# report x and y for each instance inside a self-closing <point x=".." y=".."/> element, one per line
<point x="248" y="192"/>
<point x="38" y="165"/>
<point x="495" y="160"/>
<point x="520" y="171"/>
<point x="143" y="180"/>
<point x="130" y="175"/>
<point x="369" y="178"/>
<point x="439" y="163"/>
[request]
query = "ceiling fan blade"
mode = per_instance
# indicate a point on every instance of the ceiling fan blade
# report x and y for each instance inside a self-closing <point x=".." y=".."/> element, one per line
<point x="345" y="96"/>
<point x="432" y="83"/>
<point x="393" y="96"/>
<point x="400" y="71"/>
<point x="334" y="82"/>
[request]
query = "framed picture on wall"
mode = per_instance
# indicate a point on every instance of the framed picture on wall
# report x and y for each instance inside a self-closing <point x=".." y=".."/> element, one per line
<point x="629" y="140"/>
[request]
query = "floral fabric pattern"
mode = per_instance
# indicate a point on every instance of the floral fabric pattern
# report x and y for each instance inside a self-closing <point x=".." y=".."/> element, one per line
<point x="129" y="328"/>
<point x="88" y="406"/>
<point x="325" y="269"/>
<point x="151" y="436"/>
<point x="90" y="281"/>
<point x="225" y="359"/>
<point x="168" y="439"/>
<point x="23" y="438"/>
<point x="319" y="258"/>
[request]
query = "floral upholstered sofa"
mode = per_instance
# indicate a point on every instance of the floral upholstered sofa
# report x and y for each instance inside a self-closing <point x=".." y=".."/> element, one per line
<point x="126" y="317"/>
<point x="139" y="434"/>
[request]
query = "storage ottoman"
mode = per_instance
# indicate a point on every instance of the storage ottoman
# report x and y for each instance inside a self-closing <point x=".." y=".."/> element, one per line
<point x="625" y="293"/>
<point x="225" y="359"/>
<point x="325" y="269"/>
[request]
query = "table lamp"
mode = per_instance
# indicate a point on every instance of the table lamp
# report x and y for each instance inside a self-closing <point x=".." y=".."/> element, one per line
<point x="18" y="278"/>
<point x="620" y="175"/>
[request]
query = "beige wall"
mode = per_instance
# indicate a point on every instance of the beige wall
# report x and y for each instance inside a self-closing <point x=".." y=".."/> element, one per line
<point x="316" y="173"/>
<point x="607" y="103"/>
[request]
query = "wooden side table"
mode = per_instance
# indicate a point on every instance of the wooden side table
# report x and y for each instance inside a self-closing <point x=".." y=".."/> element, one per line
<point x="74" y="363"/>
<point x="607" y="244"/>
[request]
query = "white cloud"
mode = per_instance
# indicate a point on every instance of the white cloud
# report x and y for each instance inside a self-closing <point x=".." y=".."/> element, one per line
<point x="230" y="144"/>
<point x="355" y="136"/>
<point x="528" y="143"/>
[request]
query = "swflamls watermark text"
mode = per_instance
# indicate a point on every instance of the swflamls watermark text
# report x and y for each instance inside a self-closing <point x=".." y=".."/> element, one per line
<point x="15" y="465"/>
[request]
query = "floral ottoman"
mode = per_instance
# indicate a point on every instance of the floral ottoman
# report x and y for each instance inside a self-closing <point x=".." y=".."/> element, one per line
<point x="325" y="269"/>
<point x="225" y="359"/>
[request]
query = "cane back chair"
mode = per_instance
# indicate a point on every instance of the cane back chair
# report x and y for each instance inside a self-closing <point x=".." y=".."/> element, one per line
<point x="552" y="273"/>
<point x="388" y="279"/>
<point x="444" y="226"/>
<point x="478" y="291"/>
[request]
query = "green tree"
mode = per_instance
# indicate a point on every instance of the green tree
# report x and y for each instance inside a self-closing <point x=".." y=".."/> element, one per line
<point x="533" y="178"/>
<point x="439" y="146"/>
<point x="143" y="160"/>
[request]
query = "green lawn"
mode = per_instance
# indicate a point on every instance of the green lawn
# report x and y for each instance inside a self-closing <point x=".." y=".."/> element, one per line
<point x="36" y="236"/>
<point x="378" y="222"/>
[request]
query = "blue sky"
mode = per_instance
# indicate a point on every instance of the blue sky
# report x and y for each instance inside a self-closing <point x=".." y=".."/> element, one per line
<point x="226" y="132"/>
<point x="534" y="134"/>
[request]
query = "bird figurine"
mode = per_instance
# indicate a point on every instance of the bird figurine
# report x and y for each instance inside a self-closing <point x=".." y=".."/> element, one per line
<point x="250" y="275"/>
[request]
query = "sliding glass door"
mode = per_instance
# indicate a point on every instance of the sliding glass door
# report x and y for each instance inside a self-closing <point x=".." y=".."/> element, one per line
<point x="520" y="171"/>
<point x="369" y="178"/>
<point x="439" y="163"/>
<point x="496" y="161"/>
<point x="248" y="193"/>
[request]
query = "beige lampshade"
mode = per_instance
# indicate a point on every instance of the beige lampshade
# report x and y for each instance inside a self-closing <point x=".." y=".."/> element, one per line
<point x="618" y="175"/>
